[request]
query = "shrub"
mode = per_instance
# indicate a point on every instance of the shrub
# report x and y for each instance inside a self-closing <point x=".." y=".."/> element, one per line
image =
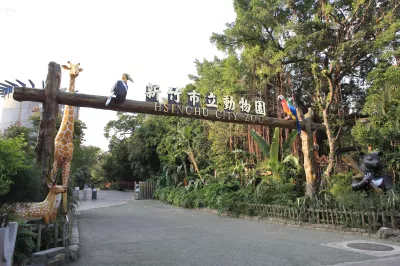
<point x="219" y="196"/>
<point x="24" y="245"/>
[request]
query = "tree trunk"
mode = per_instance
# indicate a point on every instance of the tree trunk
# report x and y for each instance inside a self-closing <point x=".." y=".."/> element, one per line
<point x="192" y="159"/>
<point x="45" y="143"/>
<point x="307" y="148"/>
<point x="327" y="174"/>
<point x="185" y="168"/>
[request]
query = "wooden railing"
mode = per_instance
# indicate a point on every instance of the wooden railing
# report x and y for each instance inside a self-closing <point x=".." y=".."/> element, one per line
<point x="146" y="190"/>
<point x="359" y="219"/>
<point x="56" y="239"/>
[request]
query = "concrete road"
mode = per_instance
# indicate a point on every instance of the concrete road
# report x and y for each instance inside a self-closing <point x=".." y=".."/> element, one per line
<point x="105" y="198"/>
<point x="152" y="233"/>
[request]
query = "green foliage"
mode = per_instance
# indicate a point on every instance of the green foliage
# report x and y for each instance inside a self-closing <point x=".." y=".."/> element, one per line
<point x="79" y="126"/>
<point x="27" y="186"/>
<point x="25" y="133"/>
<point x="274" y="154"/>
<point x="116" y="186"/>
<point x="329" y="59"/>
<point x="24" y="245"/>
<point x="288" y="144"/>
<point x="12" y="160"/>
<point x="132" y="151"/>
<point x="225" y="196"/>
<point x="17" y="154"/>
<point x="285" y="170"/>
<point x="262" y="144"/>
<point x="87" y="160"/>
<point x="382" y="128"/>
<point x="272" y="191"/>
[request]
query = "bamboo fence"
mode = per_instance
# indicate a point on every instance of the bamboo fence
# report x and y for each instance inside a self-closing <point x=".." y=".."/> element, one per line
<point x="370" y="219"/>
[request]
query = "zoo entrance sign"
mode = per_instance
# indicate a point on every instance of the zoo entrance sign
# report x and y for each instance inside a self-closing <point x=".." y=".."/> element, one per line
<point x="194" y="108"/>
<point x="250" y="112"/>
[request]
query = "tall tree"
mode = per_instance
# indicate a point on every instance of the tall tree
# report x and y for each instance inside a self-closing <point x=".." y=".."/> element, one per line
<point x="321" y="51"/>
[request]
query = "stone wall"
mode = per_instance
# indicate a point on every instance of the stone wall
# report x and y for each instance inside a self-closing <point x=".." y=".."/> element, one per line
<point x="14" y="111"/>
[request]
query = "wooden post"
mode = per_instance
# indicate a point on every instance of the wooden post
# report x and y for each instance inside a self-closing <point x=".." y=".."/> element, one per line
<point x="64" y="231"/>
<point x="45" y="144"/>
<point x="55" y="234"/>
<point x="392" y="219"/>
<point x="70" y="229"/>
<point x="337" y="217"/>
<point x="362" y="220"/>
<point x="39" y="237"/>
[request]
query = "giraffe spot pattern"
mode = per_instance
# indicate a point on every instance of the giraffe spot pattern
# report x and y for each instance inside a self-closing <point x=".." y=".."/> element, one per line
<point x="63" y="142"/>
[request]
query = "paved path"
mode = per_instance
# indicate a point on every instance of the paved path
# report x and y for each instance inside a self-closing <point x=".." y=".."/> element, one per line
<point x="152" y="233"/>
<point x="105" y="198"/>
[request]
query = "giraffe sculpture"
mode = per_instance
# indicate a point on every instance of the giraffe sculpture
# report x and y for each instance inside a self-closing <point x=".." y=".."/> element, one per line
<point x="63" y="145"/>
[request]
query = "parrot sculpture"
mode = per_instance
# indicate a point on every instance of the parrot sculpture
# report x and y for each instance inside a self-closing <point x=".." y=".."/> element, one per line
<point x="290" y="110"/>
<point x="120" y="89"/>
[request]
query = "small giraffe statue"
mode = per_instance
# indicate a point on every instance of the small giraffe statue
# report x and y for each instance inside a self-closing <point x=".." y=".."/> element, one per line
<point x="40" y="210"/>
<point x="63" y="146"/>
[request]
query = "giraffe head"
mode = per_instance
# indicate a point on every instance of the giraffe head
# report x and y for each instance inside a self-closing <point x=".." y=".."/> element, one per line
<point x="74" y="69"/>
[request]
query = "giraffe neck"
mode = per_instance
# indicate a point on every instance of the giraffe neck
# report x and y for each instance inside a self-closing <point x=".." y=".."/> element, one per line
<point x="67" y="123"/>
<point x="71" y="87"/>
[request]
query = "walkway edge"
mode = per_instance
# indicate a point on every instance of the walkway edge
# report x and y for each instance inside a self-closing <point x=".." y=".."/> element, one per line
<point x="74" y="243"/>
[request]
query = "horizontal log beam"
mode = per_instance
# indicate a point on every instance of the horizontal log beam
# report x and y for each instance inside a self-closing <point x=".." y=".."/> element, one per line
<point x="98" y="102"/>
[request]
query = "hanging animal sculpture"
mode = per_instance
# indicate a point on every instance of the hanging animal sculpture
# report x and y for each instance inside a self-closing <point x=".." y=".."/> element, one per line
<point x="40" y="210"/>
<point x="63" y="145"/>
<point x="290" y="110"/>
<point x="321" y="160"/>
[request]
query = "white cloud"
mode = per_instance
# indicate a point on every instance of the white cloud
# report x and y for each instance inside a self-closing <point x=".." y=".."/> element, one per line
<point x="154" y="41"/>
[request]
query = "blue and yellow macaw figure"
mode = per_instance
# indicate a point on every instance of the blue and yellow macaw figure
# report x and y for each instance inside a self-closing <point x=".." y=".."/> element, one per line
<point x="290" y="110"/>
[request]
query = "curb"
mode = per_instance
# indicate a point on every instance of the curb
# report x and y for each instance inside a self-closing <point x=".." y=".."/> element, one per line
<point x="74" y="244"/>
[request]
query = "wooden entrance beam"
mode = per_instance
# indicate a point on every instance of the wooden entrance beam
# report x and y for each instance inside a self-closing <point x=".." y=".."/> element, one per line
<point x="98" y="102"/>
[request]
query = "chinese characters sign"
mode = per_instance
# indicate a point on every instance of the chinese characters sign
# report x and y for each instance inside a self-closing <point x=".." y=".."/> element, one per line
<point x="152" y="93"/>
<point x="255" y="111"/>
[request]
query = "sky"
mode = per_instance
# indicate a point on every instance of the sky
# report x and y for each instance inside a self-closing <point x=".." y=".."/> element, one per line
<point x="155" y="41"/>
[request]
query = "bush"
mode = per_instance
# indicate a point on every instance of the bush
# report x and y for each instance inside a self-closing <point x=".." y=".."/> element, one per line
<point x="27" y="187"/>
<point x="12" y="160"/>
<point x="223" y="197"/>
<point x="270" y="191"/>
<point x="24" y="245"/>
<point x="116" y="186"/>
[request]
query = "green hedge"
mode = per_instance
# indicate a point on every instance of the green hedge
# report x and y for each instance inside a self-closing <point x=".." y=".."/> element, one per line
<point x="228" y="197"/>
<point x="220" y="197"/>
